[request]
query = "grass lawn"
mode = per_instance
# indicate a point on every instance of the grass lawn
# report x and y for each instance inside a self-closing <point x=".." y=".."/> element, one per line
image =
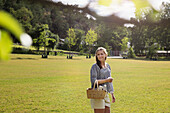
<point x="29" y="83"/>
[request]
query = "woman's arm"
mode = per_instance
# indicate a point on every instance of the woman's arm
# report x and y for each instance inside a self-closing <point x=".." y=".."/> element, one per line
<point x="105" y="80"/>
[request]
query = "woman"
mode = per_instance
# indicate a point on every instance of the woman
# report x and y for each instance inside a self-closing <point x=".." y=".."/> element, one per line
<point x="101" y="72"/>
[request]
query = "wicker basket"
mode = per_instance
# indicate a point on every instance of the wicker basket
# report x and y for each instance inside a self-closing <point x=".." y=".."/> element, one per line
<point x="93" y="93"/>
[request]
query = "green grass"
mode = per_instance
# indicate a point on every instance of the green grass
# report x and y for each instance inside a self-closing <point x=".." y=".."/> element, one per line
<point x="29" y="83"/>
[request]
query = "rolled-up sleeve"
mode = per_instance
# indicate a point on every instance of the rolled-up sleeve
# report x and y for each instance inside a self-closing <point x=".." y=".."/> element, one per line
<point x="110" y="87"/>
<point x="93" y="75"/>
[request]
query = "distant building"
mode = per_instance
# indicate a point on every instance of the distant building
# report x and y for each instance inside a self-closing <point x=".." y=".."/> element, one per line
<point x="163" y="53"/>
<point x="115" y="53"/>
<point x="61" y="41"/>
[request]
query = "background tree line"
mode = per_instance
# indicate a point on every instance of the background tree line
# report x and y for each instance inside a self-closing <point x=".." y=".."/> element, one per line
<point x="48" y="25"/>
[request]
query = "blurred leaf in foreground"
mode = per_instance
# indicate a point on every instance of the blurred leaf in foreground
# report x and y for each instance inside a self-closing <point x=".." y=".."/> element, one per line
<point x="8" y="22"/>
<point x="11" y="25"/>
<point x="105" y="2"/>
<point x="5" y="45"/>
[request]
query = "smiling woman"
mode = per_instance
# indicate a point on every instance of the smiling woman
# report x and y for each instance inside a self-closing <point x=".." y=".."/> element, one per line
<point x="101" y="72"/>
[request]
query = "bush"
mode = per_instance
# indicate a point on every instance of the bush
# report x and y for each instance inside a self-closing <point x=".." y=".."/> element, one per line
<point x="60" y="53"/>
<point x="82" y="52"/>
<point x="131" y="53"/>
<point x="22" y="51"/>
<point x="152" y="51"/>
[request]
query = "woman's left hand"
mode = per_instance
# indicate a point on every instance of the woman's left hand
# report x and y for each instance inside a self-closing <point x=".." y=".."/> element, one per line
<point x="113" y="98"/>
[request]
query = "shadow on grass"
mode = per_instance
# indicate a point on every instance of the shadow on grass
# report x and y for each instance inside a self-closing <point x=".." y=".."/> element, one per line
<point x="147" y="59"/>
<point x="20" y="58"/>
<point x="55" y="110"/>
<point x="75" y="59"/>
<point x="54" y="58"/>
<point x="63" y="59"/>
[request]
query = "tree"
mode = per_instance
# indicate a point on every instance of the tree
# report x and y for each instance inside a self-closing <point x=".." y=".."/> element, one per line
<point x="42" y="40"/>
<point x="1" y="4"/>
<point x="45" y="39"/>
<point x="108" y="48"/>
<point x="124" y="43"/>
<point x="140" y="38"/>
<point x="145" y="34"/>
<point x="104" y="35"/>
<point x="118" y="33"/>
<point x="54" y="40"/>
<point x="24" y="16"/>
<point x="51" y="43"/>
<point x="164" y="29"/>
<point x="59" y="24"/>
<point x="152" y="50"/>
<point x="164" y="40"/>
<point x="131" y="53"/>
<point x="80" y="36"/>
<point x="37" y="11"/>
<point x="90" y="38"/>
<point x="71" y="39"/>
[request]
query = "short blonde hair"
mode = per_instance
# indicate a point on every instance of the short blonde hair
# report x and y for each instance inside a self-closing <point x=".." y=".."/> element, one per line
<point x="101" y="48"/>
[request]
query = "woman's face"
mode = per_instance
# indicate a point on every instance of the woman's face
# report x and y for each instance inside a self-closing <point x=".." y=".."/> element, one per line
<point x="101" y="55"/>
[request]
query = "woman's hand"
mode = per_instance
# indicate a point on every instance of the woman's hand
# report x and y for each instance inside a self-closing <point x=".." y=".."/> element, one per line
<point x="110" y="79"/>
<point x="113" y="98"/>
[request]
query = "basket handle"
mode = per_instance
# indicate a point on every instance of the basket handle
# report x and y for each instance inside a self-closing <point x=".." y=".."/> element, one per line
<point x="96" y="82"/>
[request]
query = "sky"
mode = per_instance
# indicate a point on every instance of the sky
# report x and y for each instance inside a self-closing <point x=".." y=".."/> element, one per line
<point x="124" y="9"/>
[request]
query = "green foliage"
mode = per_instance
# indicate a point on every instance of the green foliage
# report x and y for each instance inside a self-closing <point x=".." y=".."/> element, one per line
<point x="152" y="50"/>
<point x="50" y="43"/>
<point x="60" y="54"/>
<point x="71" y="39"/>
<point x="1" y="4"/>
<point x="80" y="36"/>
<point x="5" y="45"/>
<point x="91" y="37"/>
<point x="107" y="48"/>
<point x="131" y="53"/>
<point x="45" y="39"/>
<point x="144" y="34"/>
<point x="44" y="34"/>
<point x="55" y="41"/>
<point x="24" y="16"/>
<point x="104" y="34"/>
<point x="12" y="26"/>
<point x="138" y="37"/>
<point x="124" y="43"/>
<point x="118" y="33"/>
<point x="163" y="31"/>
<point x="5" y="22"/>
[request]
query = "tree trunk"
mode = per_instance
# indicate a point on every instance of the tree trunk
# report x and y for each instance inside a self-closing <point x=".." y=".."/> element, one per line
<point x="44" y="50"/>
<point x="167" y="54"/>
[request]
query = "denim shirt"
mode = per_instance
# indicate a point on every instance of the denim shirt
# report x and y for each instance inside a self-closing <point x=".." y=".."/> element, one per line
<point x="97" y="74"/>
